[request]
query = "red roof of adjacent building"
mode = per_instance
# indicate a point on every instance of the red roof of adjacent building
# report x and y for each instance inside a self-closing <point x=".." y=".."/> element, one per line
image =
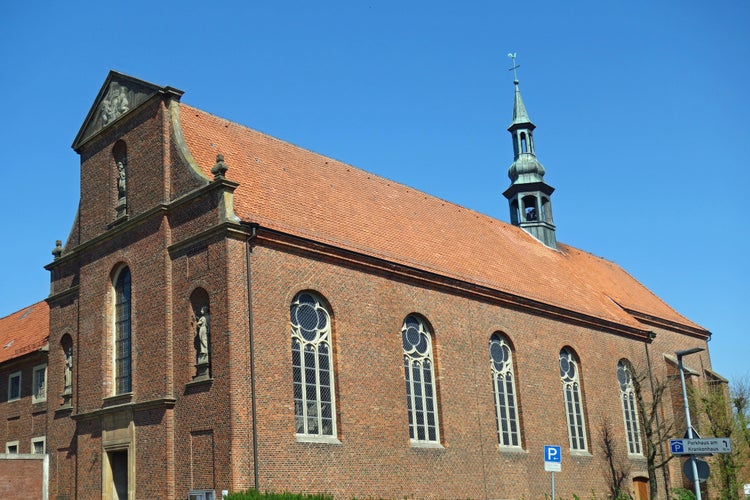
<point x="293" y="190"/>
<point x="24" y="331"/>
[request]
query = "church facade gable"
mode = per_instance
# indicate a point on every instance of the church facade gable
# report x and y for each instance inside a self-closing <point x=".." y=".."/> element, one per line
<point x="119" y="95"/>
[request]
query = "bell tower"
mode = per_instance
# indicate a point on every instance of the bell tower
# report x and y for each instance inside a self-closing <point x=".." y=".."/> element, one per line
<point x="529" y="196"/>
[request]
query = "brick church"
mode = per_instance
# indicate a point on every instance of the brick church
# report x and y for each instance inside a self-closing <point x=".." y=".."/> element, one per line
<point x="232" y="311"/>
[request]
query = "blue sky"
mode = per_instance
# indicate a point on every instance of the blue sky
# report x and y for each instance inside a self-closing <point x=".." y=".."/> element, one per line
<point x="641" y="109"/>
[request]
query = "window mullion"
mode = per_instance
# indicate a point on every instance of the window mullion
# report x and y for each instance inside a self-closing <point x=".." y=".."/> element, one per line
<point x="303" y="370"/>
<point x="413" y="395"/>
<point x="318" y="389"/>
<point x="425" y="410"/>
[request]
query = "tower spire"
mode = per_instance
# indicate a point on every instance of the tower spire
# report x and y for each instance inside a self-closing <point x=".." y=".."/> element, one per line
<point x="528" y="194"/>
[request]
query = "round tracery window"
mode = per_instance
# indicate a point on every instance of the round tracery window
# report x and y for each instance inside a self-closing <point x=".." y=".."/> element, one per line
<point x="623" y="376"/>
<point x="499" y="353"/>
<point x="414" y="336"/>
<point x="567" y="366"/>
<point x="309" y="318"/>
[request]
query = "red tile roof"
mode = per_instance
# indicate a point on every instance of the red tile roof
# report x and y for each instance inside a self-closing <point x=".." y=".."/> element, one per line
<point x="290" y="189"/>
<point x="24" y="331"/>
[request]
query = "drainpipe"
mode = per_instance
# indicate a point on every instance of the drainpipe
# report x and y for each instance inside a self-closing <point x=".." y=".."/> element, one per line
<point x="665" y="469"/>
<point x="253" y="233"/>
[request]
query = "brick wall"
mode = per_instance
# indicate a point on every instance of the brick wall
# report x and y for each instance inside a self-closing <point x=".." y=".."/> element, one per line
<point x="23" y="476"/>
<point x="374" y="457"/>
<point x="22" y="419"/>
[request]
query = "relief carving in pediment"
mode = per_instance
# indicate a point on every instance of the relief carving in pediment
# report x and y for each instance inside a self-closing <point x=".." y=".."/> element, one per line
<point x="119" y="95"/>
<point x="115" y="103"/>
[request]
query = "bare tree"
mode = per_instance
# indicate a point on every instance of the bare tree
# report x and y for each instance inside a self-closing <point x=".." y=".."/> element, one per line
<point x="649" y="393"/>
<point x="618" y="466"/>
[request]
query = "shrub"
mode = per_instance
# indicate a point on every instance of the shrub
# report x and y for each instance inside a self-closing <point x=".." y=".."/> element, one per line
<point x="683" y="494"/>
<point x="256" y="495"/>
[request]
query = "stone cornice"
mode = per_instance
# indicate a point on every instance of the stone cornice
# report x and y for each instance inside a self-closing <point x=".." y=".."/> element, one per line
<point x="456" y="286"/>
<point x="669" y="325"/>
<point x="160" y="210"/>
<point x="165" y="403"/>
<point x="59" y="297"/>
<point x="227" y="229"/>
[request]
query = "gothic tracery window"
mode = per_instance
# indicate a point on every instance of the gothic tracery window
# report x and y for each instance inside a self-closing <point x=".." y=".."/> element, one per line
<point x="571" y="385"/>
<point x="504" y="390"/>
<point x="629" y="413"/>
<point x="312" y="365"/>
<point x="421" y="399"/>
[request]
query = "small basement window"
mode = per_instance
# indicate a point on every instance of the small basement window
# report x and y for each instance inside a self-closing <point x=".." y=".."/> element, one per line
<point x="202" y="495"/>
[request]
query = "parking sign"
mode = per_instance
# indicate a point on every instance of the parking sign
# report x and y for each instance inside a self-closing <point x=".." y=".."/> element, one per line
<point x="552" y="454"/>
<point x="552" y="458"/>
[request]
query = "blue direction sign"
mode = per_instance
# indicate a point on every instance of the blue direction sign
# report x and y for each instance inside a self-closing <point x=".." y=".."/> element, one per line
<point x="700" y="446"/>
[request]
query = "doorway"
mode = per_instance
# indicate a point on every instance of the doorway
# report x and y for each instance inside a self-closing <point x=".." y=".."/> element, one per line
<point x="118" y="468"/>
<point x="640" y="485"/>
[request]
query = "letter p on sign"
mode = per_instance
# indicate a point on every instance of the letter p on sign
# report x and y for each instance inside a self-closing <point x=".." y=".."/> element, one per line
<point x="552" y="454"/>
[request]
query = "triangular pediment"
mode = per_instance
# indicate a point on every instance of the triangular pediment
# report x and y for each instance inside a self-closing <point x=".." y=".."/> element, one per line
<point x="119" y="95"/>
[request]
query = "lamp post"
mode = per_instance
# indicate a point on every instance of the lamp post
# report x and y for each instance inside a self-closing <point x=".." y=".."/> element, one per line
<point x="680" y="354"/>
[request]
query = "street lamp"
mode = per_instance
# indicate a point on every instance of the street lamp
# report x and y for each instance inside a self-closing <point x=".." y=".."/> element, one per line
<point x="680" y="354"/>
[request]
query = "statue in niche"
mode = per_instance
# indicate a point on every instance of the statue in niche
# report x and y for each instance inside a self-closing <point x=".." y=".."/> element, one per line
<point x="201" y="336"/>
<point x="114" y="104"/>
<point x="68" y="371"/>
<point x="121" y="188"/>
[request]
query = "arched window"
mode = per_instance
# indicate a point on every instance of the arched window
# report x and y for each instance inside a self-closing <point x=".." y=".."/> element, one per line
<point x="122" y="338"/>
<point x="421" y="399"/>
<point x="504" y="387"/>
<point x="572" y="395"/>
<point x="312" y="365"/>
<point x="530" y="212"/>
<point x="629" y="413"/>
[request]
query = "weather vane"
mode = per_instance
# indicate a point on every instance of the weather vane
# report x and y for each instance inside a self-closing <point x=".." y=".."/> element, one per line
<point x="513" y="55"/>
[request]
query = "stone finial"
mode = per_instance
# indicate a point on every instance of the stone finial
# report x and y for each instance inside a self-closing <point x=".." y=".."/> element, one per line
<point x="220" y="168"/>
<point x="57" y="252"/>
